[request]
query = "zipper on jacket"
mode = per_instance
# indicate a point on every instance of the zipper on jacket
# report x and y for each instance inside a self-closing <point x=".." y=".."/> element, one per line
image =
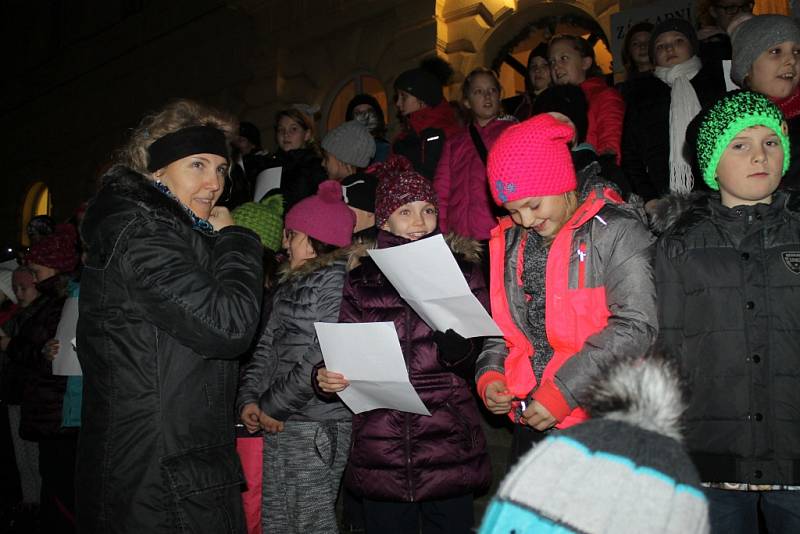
<point x="581" y="264"/>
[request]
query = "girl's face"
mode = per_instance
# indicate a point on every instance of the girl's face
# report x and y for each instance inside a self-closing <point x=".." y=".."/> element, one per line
<point x="413" y="220"/>
<point x="671" y="48"/>
<point x="545" y="215"/>
<point x="196" y="180"/>
<point x="539" y="73"/>
<point x="298" y="248"/>
<point x="483" y="98"/>
<point x="566" y="64"/>
<point x="336" y="169"/>
<point x="408" y="103"/>
<point x="25" y="291"/>
<point x="637" y="48"/>
<point x="41" y="272"/>
<point x="776" y="72"/>
<point x="290" y="134"/>
<point x="750" y="168"/>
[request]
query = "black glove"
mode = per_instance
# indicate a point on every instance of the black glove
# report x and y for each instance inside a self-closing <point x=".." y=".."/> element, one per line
<point x="452" y="347"/>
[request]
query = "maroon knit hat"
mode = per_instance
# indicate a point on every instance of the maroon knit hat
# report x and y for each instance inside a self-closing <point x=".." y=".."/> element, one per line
<point x="532" y="159"/>
<point x="324" y="216"/>
<point x="57" y="250"/>
<point x="398" y="185"/>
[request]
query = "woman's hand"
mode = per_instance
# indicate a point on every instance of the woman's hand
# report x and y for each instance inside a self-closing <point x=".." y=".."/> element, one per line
<point x="250" y="417"/>
<point x="269" y="424"/>
<point x="537" y="416"/>
<point x="331" y="382"/>
<point x="220" y="218"/>
<point x="498" y="399"/>
<point x="50" y="349"/>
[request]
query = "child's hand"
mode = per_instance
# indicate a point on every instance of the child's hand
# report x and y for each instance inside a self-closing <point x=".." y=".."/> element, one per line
<point x="250" y="417"/>
<point x="269" y="424"/>
<point x="537" y="416"/>
<point x="50" y="349"/>
<point x="331" y="382"/>
<point x="220" y="218"/>
<point x="498" y="398"/>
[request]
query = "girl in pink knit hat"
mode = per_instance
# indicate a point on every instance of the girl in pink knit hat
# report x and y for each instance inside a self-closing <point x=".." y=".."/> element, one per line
<point x="571" y="282"/>
<point x="306" y="439"/>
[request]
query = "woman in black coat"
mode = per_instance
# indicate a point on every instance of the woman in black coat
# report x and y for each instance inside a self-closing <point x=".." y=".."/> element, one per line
<point x="170" y="297"/>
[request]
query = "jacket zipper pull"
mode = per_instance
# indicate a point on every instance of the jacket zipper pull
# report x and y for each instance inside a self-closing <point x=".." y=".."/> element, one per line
<point x="581" y="264"/>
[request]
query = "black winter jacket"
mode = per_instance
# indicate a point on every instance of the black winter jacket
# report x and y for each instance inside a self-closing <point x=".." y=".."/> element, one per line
<point x="728" y="283"/>
<point x="645" y="137"/>
<point x="165" y="310"/>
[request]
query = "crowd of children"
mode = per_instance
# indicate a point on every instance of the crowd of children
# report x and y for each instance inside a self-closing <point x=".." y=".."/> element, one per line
<point x="638" y="249"/>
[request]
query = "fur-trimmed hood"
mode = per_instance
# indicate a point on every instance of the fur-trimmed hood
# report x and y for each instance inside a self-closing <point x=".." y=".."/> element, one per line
<point x="314" y="264"/>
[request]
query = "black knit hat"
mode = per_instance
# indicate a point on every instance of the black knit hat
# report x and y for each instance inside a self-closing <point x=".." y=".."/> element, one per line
<point x="363" y="98"/>
<point x="250" y="131"/>
<point x="421" y="84"/>
<point x="673" y="25"/>
<point x="569" y="100"/>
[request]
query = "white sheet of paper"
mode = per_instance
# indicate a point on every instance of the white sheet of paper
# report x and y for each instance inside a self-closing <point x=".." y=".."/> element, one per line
<point x="66" y="362"/>
<point x="426" y="275"/>
<point x="370" y="357"/>
<point x="267" y="180"/>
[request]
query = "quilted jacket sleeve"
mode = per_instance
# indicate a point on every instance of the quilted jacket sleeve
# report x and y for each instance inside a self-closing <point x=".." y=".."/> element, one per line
<point x="609" y="112"/>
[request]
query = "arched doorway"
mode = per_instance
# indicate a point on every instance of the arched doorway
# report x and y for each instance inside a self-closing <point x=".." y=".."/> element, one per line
<point x="37" y="202"/>
<point x="353" y="85"/>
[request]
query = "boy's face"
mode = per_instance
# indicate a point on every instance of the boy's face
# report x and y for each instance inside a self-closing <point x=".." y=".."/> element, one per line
<point x="413" y="220"/>
<point x="25" y="291"/>
<point x="776" y="72"/>
<point x="545" y="215"/>
<point x="336" y="169"/>
<point x="750" y="168"/>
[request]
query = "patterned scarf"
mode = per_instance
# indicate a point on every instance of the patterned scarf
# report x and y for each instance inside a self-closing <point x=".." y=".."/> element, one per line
<point x="198" y="224"/>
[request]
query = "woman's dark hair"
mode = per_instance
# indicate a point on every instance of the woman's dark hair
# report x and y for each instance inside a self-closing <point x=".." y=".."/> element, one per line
<point x="627" y="60"/>
<point x="321" y="248"/>
<point x="583" y="47"/>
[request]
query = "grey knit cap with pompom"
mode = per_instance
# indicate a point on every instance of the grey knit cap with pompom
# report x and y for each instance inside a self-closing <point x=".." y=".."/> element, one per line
<point x="350" y="143"/>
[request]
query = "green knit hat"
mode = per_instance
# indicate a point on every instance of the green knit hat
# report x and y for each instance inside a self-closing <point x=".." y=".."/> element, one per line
<point x="264" y="218"/>
<point x="714" y="128"/>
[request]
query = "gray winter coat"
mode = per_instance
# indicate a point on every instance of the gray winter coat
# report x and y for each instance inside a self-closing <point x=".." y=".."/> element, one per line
<point x="278" y="377"/>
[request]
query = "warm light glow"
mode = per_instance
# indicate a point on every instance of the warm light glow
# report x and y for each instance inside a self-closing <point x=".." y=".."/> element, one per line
<point x="37" y="202"/>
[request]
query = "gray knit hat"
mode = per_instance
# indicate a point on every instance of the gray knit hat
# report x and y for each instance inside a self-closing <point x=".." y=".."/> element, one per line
<point x="757" y="35"/>
<point x="351" y="143"/>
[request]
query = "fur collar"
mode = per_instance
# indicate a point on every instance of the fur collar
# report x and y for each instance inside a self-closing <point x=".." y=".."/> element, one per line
<point x="313" y="265"/>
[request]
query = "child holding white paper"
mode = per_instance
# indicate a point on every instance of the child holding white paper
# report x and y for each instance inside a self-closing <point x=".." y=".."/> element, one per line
<point x="306" y="439"/>
<point x="572" y="282"/>
<point x="406" y="465"/>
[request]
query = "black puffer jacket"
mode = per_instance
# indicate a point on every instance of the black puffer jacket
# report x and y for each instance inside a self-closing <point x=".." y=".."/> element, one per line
<point x="728" y="284"/>
<point x="645" y="137"/>
<point x="164" y="312"/>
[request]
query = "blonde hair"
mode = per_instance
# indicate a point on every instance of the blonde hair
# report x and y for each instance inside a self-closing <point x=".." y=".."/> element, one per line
<point x="571" y="201"/>
<point x="175" y="116"/>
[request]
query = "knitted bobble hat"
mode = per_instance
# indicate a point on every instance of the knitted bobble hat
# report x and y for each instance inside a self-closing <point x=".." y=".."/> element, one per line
<point x="351" y="143"/>
<point x="622" y="471"/>
<point x="532" y="159"/>
<point x="397" y="188"/>
<point x="755" y="36"/>
<point x="421" y="84"/>
<point x="264" y="218"/>
<point x="57" y="250"/>
<point x="714" y="128"/>
<point x="324" y="216"/>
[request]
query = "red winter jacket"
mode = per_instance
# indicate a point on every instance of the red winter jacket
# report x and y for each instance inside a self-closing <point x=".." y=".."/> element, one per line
<point x="399" y="456"/>
<point x="465" y="206"/>
<point x="606" y="113"/>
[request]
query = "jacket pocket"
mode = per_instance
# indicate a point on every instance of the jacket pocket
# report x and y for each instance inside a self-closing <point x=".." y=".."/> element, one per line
<point x="205" y="485"/>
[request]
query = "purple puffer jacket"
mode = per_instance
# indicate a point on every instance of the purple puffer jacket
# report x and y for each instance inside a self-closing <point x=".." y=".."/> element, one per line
<point x="398" y="456"/>
<point x="465" y="207"/>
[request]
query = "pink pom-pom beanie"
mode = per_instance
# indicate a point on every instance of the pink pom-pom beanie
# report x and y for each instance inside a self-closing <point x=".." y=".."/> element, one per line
<point x="324" y="216"/>
<point x="532" y="159"/>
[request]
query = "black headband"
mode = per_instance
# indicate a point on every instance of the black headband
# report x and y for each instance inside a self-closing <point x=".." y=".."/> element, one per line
<point x="185" y="142"/>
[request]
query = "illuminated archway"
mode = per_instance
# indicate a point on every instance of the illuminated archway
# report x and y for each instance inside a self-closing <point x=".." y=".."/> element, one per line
<point x="354" y="84"/>
<point x="37" y="202"/>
